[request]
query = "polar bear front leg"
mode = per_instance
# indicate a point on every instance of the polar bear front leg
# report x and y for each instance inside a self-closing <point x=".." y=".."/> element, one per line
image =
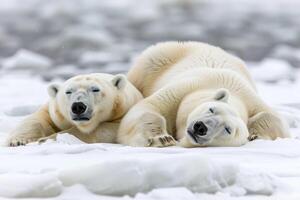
<point x="153" y="127"/>
<point x="267" y="125"/>
<point x="29" y="131"/>
<point x="35" y="126"/>
<point x="149" y="130"/>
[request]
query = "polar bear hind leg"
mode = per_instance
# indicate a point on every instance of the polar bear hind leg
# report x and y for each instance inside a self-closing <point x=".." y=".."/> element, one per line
<point x="267" y="125"/>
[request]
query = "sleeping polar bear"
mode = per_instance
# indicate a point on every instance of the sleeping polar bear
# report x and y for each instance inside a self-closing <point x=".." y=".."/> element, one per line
<point x="198" y="94"/>
<point x="87" y="106"/>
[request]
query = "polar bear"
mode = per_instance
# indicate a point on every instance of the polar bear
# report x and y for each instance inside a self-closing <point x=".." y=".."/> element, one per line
<point x="198" y="94"/>
<point x="87" y="106"/>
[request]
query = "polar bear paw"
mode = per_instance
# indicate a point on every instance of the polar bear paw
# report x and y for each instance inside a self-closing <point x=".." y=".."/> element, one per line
<point x="20" y="140"/>
<point x="253" y="137"/>
<point x="161" y="141"/>
<point x="267" y="126"/>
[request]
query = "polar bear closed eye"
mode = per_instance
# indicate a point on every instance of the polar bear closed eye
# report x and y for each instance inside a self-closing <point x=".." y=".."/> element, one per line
<point x="87" y="106"/>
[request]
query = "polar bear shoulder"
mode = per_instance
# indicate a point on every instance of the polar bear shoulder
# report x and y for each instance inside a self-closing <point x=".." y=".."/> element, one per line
<point x="160" y="64"/>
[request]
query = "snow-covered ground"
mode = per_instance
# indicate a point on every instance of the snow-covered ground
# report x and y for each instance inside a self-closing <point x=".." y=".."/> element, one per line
<point x="71" y="169"/>
<point x="53" y="40"/>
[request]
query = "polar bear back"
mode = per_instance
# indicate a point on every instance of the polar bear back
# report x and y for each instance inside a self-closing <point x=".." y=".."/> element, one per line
<point x="168" y="62"/>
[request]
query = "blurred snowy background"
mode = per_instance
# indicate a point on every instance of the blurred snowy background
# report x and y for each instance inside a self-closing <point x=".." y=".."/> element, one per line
<point x="46" y="40"/>
<point x="61" y="38"/>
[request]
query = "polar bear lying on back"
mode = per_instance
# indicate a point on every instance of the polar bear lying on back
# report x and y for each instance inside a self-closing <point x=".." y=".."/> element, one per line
<point x="87" y="106"/>
<point x="198" y="94"/>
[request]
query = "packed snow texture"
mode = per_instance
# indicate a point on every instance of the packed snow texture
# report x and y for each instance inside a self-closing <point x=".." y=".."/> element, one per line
<point x="53" y="40"/>
<point x="131" y="171"/>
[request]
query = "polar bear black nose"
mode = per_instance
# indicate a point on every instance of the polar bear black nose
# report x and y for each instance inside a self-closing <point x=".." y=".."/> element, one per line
<point x="200" y="128"/>
<point x="78" y="108"/>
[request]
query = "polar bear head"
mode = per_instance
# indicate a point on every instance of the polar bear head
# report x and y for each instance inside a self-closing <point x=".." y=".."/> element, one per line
<point x="87" y="100"/>
<point x="216" y="122"/>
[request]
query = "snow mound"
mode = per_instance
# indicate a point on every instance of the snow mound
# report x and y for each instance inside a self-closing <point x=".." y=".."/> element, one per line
<point x="21" y="110"/>
<point x="167" y="193"/>
<point x="195" y="172"/>
<point x="291" y="115"/>
<point x="273" y="70"/>
<point x="25" y="59"/>
<point x="65" y="139"/>
<point x="117" y="170"/>
<point x="288" y="53"/>
<point x="254" y="183"/>
<point x="29" y="185"/>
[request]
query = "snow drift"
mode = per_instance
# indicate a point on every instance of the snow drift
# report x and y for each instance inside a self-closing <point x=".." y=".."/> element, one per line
<point x="120" y="174"/>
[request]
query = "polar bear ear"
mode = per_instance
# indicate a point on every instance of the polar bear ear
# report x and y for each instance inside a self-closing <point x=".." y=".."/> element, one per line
<point x="222" y="95"/>
<point x="119" y="81"/>
<point x="53" y="89"/>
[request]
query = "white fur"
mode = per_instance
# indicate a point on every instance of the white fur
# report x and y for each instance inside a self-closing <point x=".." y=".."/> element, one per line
<point x="181" y="82"/>
<point x="107" y="98"/>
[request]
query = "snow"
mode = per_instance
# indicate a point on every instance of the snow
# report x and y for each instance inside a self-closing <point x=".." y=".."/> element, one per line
<point x="80" y="36"/>
<point x="288" y="53"/>
<point x="21" y="110"/>
<point x="61" y="72"/>
<point x="54" y="40"/>
<point x="281" y="70"/>
<point x="97" y="58"/>
<point x="29" y="185"/>
<point x="143" y="175"/>
<point x="60" y="169"/>
<point x="25" y="59"/>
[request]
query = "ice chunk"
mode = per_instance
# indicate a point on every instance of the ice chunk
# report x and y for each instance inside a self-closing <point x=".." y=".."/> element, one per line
<point x="25" y="59"/>
<point x="68" y="139"/>
<point x="64" y="138"/>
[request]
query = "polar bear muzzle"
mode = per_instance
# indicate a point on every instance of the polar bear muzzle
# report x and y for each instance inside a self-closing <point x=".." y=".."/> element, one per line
<point x="80" y="111"/>
<point x="199" y="128"/>
<point x="78" y="108"/>
<point x="204" y="130"/>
